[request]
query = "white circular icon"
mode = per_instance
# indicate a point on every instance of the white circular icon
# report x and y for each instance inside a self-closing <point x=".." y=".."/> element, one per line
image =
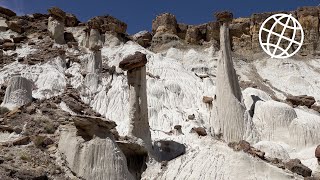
<point x="281" y="30"/>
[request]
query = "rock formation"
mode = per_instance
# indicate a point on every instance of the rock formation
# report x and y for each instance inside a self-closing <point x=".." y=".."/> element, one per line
<point x="56" y="24"/>
<point x="95" y="40"/>
<point x="138" y="113"/>
<point x="165" y="23"/>
<point x="90" y="151"/>
<point x="18" y="93"/>
<point x="229" y="107"/>
<point x="94" y="62"/>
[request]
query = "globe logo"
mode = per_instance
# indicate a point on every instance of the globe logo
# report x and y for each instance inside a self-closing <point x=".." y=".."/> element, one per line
<point x="279" y="36"/>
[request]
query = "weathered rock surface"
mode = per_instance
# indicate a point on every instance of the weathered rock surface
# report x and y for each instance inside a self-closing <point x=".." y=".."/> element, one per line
<point x="71" y="20"/>
<point x="165" y="23"/>
<point x="57" y="13"/>
<point x="230" y="110"/>
<point x="296" y="166"/>
<point x="168" y="150"/>
<point x="7" y="12"/>
<point x="133" y="61"/>
<point x="93" y="62"/>
<point x="303" y="100"/>
<point x="56" y="30"/>
<point x="138" y="107"/>
<point x="143" y="38"/>
<point x="90" y="145"/>
<point x="107" y="23"/>
<point x="18" y="93"/>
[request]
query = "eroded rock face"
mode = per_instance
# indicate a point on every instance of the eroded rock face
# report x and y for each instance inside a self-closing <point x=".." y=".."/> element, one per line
<point x="193" y="35"/>
<point x="89" y="147"/>
<point x="165" y="23"/>
<point x="143" y="38"/>
<point x="302" y="100"/>
<point x="57" y="13"/>
<point x="56" y="30"/>
<point x="18" y="93"/>
<point x="296" y="166"/>
<point x="7" y="12"/>
<point x="309" y="20"/>
<point x="95" y="40"/>
<point x="137" y="60"/>
<point x="107" y="23"/>
<point x="71" y="20"/>
<point x="94" y="62"/>
<point x="231" y="112"/>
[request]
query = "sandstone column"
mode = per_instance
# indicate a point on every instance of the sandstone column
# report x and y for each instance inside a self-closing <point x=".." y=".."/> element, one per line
<point x="18" y="93"/>
<point x="138" y="113"/>
<point x="56" y="24"/>
<point x="230" y="109"/>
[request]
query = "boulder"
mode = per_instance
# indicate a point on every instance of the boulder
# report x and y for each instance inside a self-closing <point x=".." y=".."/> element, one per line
<point x="316" y="108"/>
<point x="3" y="24"/>
<point x="201" y="131"/>
<point x="9" y="46"/>
<point x="302" y="100"/>
<point x="7" y="12"/>
<point x="224" y="16"/>
<point x="133" y="61"/>
<point x="57" y="13"/>
<point x="56" y="30"/>
<point x="272" y="150"/>
<point x="317" y="152"/>
<point x="19" y="39"/>
<point x="15" y="26"/>
<point x="207" y="99"/>
<point x="167" y="21"/>
<point x="143" y="38"/>
<point x="295" y="165"/>
<point x="168" y="150"/>
<point x="71" y="20"/>
<point x="273" y="118"/>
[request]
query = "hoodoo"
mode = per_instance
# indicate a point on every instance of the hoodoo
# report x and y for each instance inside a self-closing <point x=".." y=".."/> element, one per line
<point x="56" y="24"/>
<point x="138" y="112"/>
<point x="18" y="93"/>
<point x="230" y="109"/>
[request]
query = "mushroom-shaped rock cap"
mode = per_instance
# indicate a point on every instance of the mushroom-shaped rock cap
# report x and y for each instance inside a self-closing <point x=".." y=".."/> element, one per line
<point x="57" y="13"/>
<point x="224" y="16"/>
<point x="133" y="61"/>
<point x="317" y="152"/>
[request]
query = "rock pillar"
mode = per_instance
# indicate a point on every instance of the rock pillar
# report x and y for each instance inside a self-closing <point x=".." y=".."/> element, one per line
<point x="229" y="107"/>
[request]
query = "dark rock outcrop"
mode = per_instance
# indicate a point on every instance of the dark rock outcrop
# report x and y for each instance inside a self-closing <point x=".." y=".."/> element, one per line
<point x="302" y="100"/>
<point x="7" y="12"/>
<point x="133" y="61"/>
<point x="165" y="23"/>
<point x="296" y="166"/>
